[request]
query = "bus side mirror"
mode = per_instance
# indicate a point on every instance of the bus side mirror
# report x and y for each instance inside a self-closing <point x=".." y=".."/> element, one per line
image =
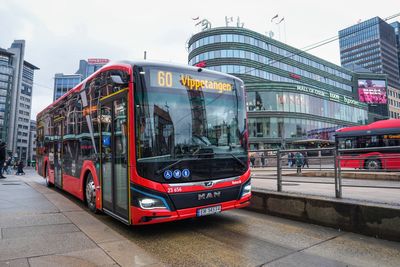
<point x="117" y="79"/>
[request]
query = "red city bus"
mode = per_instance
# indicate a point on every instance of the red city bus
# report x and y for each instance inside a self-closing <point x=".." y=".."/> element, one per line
<point x="148" y="142"/>
<point x="377" y="139"/>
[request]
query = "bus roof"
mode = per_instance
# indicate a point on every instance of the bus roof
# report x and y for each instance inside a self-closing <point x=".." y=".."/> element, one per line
<point x="129" y="64"/>
<point x="378" y="127"/>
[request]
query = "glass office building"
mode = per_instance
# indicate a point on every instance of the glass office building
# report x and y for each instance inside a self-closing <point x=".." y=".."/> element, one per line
<point x="291" y="95"/>
<point x="90" y="66"/>
<point x="65" y="82"/>
<point x="396" y="27"/>
<point x="16" y="85"/>
<point x="372" y="45"/>
<point x="6" y="85"/>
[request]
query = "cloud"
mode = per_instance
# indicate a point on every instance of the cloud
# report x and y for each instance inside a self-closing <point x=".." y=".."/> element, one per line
<point x="60" y="33"/>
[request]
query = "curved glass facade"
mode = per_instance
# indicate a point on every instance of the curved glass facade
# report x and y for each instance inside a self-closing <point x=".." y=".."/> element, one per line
<point x="260" y="44"/>
<point x="291" y="95"/>
<point x="229" y="53"/>
<point x="286" y="128"/>
<point x="304" y="104"/>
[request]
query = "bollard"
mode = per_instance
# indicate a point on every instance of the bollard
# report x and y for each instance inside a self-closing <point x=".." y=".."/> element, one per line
<point x="278" y="171"/>
<point x="338" y="182"/>
<point x="320" y="162"/>
<point x="339" y="177"/>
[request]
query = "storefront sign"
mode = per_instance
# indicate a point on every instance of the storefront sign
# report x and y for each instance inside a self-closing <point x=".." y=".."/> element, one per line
<point x="329" y="95"/>
<point x="312" y="90"/>
<point x="98" y="61"/>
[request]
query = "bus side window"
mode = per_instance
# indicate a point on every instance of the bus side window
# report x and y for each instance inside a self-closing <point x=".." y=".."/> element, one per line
<point x="348" y="143"/>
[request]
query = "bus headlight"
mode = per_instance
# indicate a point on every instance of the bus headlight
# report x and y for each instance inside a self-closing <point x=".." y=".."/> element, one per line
<point x="148" y="200"/>
<point x="151" y="203"/>
<point x="246" y="189"/>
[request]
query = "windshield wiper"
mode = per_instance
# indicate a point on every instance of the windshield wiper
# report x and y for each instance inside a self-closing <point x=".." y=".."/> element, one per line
<point x="184" y="159"/>
<point x="199" y="158"/>
<point x="236" y="158"/>
<point x="169" y="166"/>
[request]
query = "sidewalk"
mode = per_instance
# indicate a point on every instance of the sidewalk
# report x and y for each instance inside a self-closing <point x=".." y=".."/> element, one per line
<point x="41" y="227"/>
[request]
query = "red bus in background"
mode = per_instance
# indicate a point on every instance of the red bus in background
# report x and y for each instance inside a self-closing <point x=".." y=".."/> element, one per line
<point x="377" y="139"/>
<point x="148" y="142"/>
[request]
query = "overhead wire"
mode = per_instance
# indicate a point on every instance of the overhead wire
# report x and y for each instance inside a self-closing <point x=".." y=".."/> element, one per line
<point x="320" y="43"/>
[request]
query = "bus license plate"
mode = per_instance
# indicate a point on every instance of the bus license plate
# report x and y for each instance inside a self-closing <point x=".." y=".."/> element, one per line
<point x="208" y="211"/>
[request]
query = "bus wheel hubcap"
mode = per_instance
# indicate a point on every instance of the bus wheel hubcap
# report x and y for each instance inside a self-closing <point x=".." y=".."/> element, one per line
<point x="90" y="192"/>
<point x="373" y="165"/>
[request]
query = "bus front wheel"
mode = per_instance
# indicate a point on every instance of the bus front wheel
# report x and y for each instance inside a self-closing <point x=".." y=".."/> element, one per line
<point x="90" y="192"/>
<point x="373" y="164"/>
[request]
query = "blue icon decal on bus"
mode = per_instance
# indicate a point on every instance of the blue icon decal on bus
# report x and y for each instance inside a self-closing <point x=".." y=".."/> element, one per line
<point x="168" y="174"/>
<point x="177" y="174"/>
<point x="185" y="173"/>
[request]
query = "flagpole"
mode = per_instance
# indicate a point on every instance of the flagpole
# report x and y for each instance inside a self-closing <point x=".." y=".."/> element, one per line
<point x="284" y="30"/>
<point x="279" y="31"/>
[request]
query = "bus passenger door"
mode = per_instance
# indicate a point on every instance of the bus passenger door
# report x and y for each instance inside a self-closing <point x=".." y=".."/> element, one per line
<point x="114" y="155"/>
<point x="58" y="141"/>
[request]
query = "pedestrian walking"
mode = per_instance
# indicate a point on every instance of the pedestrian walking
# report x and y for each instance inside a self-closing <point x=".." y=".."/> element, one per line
<point x="290" y="159"/>
<point x="299" y="161"/>
<point x="263" y="159"/>
<point x="252" y="159"/>
<point x="2" y="158"/>
<point x="20" y="168"/>
<point x="305" y="159"/>
<point x="257" y="161"/>
<point x="8" y="165"/>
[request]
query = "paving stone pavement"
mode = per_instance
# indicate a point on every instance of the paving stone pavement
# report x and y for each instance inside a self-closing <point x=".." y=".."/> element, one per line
<point x="42" y="227"/>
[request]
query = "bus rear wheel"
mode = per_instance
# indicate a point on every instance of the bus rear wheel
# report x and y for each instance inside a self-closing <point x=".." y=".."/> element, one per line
<point x="90" y="193"/>
<point x="47" y="178"/>
<point x="373" y="164"/>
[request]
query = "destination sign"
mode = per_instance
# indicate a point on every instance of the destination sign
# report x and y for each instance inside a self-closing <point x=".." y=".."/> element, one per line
<point x="392" y="136"/>
<point x="189" y="81"/>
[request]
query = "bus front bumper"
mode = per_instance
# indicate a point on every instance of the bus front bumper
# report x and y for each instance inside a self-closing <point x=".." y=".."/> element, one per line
<point x="141" y="216"/>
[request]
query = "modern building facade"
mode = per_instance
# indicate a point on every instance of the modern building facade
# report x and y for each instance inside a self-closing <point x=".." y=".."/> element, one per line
<point x="32" y="144"/>
<point x="6" y="86"/>
<point x="65" y="82"/>
<point x="372" y="45"/>
<point x="86" y="68"/>
<point x="394" y="102"/>
<point x="16" y="94"/>
<point x="396" y="27"/>
<point x="291" y="95"/>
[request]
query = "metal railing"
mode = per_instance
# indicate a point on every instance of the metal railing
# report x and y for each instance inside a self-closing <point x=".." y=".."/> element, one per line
<point x="328" y="159"/>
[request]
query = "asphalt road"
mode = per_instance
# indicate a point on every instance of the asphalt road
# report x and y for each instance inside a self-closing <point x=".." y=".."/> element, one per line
<point x="244" y="238"/>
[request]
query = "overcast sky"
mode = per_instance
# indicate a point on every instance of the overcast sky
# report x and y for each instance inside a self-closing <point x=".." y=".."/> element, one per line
<point x="61" y="32"/>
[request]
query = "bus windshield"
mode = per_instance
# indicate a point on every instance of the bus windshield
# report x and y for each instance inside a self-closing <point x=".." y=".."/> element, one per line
<point x="189" y="124"/>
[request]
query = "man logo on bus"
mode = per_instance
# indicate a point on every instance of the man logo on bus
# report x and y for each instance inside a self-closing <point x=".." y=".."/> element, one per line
<point x="209" y="195"/>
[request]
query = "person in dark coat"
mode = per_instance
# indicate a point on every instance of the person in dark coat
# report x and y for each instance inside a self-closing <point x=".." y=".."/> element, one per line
<point x="290" y="159"/>
<point x="252" y="160"/>
<point x="262" y="159"/>
<point x="305" y="160"/>
<point x="20" y="168"/>
<point x="2" y="158"/>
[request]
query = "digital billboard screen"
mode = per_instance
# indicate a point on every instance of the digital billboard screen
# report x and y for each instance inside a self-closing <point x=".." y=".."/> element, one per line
<point x="372" y="91"/>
